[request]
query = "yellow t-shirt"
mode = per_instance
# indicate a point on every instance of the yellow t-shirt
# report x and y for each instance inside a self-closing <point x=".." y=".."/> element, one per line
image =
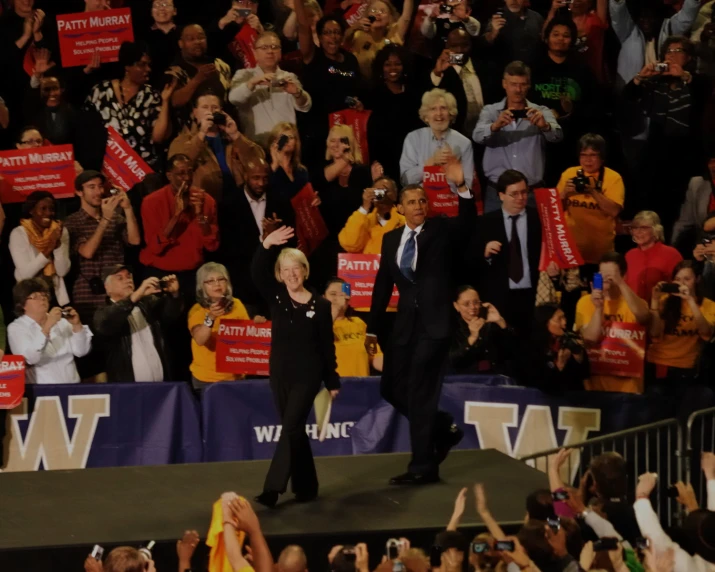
<point x="203" y="366"/>
<point x="682" y="347"/>
<point x="593" y="230"/>
<point x="613" y="311"/>
<point x="353" y="359"/>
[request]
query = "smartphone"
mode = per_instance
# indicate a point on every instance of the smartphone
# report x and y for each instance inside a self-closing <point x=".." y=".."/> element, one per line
<point x="97" y="552"/>
<point x="605" y="544"/>
<point x="223" y="301"/>
<point x="560" y="496"/>
<point x="346" y="289"/>
<point x="504" y="546"/>
<point x="642" y="544"/>
<point x="483" y="312"/>
<point x="598" y="281"/>
<point x="672" y="492"/>
<point x="479" y="547"/>
<point x="518" y="113"/>
<point x="499" y="13"/>
<point x="707" y="241"/>
<point x="345" y="141"/>
<point x="349" y="553"/>
<point x="350" y="101"/>
<point x="282" y="140"/>
<point x="457" y="59"/>
<point x="244" y="12"/>
<point x="435" y="556"/>
<point x="392" y="548"/>
<point x="670" y="288"/>
<point x="445" y="9"/>
<point x="554" y="523"/>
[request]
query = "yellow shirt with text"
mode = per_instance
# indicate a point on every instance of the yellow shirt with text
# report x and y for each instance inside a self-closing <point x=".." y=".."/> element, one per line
<point x="203" y="366"/>
<point x="353" y="359"/>
<point x="613" y="311"/>
<point x="593" y="230"/>
<point x="681" y="348"/>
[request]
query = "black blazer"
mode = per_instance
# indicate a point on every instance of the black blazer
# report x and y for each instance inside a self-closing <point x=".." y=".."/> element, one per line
<point x="429" y="298"/>
<point x="492" y="277"/>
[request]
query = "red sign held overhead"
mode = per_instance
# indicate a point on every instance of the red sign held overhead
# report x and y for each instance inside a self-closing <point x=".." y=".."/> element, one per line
<point x="122" y="165"/>
<point x="23" y="171"/>
<point x="309" y="224"/>
<point x="360" y="270"/>
<point x="442" y="201"/>
<point x="357" y="120"/>
<point x="243" y="347"/>
<point x="621" y="352"/>
<point x="12" y="381"/>
<point x="83" y="34"/>
<point x="557" y="243"/>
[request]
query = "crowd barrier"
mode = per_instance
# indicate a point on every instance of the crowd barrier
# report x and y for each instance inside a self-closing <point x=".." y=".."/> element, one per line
<point x="78" y="426"/>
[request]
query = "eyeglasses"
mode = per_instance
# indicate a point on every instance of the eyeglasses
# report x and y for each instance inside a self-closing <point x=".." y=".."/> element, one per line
<point x="471" y="304"/>
<point x="378" y="11"/>
<point x="215" y="281"/>
<point x="273" y="47"/>
<point x="674" y="51"/>
<point x="635" y="228"/>
<point x="38" y="296"/>
<point x="517" y="194"/>
<point x="336" y="33"/>
<point x="32" y="142"/>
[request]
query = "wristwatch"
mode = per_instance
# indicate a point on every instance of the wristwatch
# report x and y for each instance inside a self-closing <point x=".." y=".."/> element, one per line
<point x="208" y="321"/>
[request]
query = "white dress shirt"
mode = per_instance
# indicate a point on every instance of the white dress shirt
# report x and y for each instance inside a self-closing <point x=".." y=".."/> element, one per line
<point x="403" y="240"/>
<point x="258" y="207"/>
<point x="50" y="359"/>
<point x="146" y="362"/>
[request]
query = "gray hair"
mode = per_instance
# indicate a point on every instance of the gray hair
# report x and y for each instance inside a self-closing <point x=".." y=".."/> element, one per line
<point x="653" y="219"/>
<point x="430" y="98"/>
<point x="201" y="274"/>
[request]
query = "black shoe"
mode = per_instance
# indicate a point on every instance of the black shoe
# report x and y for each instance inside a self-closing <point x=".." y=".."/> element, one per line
<point x="415" y="479"/>
<point x="452" y="439"/>
<point x="267" y="498"/>
<point x="302" y="497"/>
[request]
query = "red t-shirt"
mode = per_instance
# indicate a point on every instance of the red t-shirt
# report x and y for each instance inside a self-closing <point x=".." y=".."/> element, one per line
<point x="648" y="267"/>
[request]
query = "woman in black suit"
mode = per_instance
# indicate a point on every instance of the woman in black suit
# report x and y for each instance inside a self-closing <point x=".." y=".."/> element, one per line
<point x="302" y="357"/>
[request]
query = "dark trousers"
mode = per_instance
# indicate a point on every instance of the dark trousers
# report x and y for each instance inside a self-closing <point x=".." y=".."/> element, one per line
<point x="686" y="391"/>
<point x="293" y="458"/>
<point x="412" y="383"/>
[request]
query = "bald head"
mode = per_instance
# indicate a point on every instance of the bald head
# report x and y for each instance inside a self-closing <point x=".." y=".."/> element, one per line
<point x="459" y="41"/>
<point x="257" y="176"/>
<point x="292" y="559"/>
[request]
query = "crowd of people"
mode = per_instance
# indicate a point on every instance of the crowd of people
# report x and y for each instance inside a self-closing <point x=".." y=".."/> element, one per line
<point x="601" y="525"/>
<point x="238" y="105"/>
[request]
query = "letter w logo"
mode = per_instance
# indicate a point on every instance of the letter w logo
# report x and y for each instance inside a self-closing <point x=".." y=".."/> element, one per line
<point x="47" y="439"/>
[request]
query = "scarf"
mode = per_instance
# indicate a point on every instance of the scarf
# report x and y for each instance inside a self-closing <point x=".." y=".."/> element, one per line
<point x="41" y="240"/>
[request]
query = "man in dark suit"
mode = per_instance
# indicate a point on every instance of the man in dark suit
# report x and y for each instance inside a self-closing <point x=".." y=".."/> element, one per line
<point x="504" y="257"/>
<point x="418" y="258"/>
<point x="242" y="216"/>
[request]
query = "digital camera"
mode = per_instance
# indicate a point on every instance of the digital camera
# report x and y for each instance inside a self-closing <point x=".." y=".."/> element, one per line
<point x="580" y="181"/>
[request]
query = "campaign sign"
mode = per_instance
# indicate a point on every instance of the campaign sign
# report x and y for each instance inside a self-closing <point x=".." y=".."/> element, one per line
<point x="12" y="381"/>
<point x="83" y="34"/>
<point x="122" y="165"/>
<point x="243" y="347"/>
<point x="309" y="224"/>
<point x="359" y="270"/>
<point x="557" y="243"/>
<point x="442" y="201"/>
<point x="23" y="171"/>
<point x="621" y="352"/>
<point x="355" y="13"/>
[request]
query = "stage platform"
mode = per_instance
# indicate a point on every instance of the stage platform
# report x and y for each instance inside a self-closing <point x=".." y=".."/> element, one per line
<point x="50" y="512"/>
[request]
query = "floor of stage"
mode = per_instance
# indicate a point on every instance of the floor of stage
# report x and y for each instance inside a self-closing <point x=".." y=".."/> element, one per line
<point x="135" y="504"/>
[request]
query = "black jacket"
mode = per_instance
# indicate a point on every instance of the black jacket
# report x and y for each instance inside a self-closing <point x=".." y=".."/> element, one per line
<point x="429" y="298"/>
<point x="111" y="325"/>
<point x="302" y="339"/>
<point x="487" y="355"/>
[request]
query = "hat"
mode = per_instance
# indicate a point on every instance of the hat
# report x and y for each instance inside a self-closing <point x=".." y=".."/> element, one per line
<point x="699" y="526"/>
<point x="86" y="176"/>
<point x="108" y="271"/>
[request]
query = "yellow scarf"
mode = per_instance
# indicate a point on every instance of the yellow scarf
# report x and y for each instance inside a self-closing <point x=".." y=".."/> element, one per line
<point x="41" y="241"/>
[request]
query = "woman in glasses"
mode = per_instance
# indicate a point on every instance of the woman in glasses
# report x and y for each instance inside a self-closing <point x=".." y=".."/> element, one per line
<point x="214" y="302"/>
<point x="49" y="340"/>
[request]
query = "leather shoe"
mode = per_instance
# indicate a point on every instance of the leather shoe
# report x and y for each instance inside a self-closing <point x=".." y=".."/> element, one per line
<point x="305" y="497"/>
<point x="415" y="479"/>
<point x="452" y="439"/>
<point x="267" y="498"/>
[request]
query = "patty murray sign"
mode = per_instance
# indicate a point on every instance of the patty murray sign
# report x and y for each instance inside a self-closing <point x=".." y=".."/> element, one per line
<point x="23" y="171"/>
<point x="243" y="347"/>
<point x="621" y="352"/>
<point x="86" y="33"/>
<point x="557" y="243"/>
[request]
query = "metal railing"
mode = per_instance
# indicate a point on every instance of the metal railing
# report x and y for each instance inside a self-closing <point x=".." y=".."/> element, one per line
<point x="649" y="448"/>
<point x="699" y="436"/>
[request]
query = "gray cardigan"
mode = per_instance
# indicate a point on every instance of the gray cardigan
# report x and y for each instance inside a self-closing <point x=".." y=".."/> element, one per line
<point x="694" y="210"/>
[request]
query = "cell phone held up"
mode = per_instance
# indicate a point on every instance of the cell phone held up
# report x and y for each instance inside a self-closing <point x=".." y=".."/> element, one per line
<point x="282" y="141"/>
<point x="661" y="67"/>
<point x="243" y="12"/>
<point x="392" y="549"/>
<point x="670" y="288"/>
<point x="97" y="552"/>
<point x="504" y="546"/>
<point x="435" y="556"/>
<point x="605" y="544"/>
<point x="479" y="547"/>
<point x="597" y="281"/>
<point x="346" y="289"/>
<point x="457" y="59"/>
<point x="518" y="113"/>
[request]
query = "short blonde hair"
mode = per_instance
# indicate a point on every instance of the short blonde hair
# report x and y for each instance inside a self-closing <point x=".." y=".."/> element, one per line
<point x="124" y="559"/>
<point x="392" y="11"/>
<point x="314" y="7"/>
<point x="345" y="131"/>
<point x="651" y="218"/>
<point x="430" y="98"/>
<point x="291" y="255"/>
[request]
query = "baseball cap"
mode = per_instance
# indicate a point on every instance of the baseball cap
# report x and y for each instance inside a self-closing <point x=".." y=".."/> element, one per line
<point x="86" y="176"/>
<point x="108" y="271"/>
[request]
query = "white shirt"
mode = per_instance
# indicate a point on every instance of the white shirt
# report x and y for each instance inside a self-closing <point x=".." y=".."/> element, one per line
<point x="258" y="207"/>
<point x="50" y="359"/>
<point x="403" y="240"/>
<point x="146" y="362"/>
<point x="29" y="261"/>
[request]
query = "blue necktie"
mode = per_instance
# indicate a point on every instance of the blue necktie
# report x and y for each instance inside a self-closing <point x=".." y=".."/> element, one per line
<point x="408" y="255"/>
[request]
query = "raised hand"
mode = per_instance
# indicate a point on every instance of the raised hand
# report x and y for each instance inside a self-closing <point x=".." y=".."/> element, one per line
<point x="504" y="119"/>
<point x="42" y="62"/>
<point x="187" y="545"/>
<point x="109" y="206"/>
<point x="94" y="64"/>
<point x="168" y="90"/>
<point x="646" y="484"/>
<point x="279" y="236"/>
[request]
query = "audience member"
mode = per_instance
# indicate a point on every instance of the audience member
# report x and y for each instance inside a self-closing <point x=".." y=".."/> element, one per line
<point x="651" y="261"/>
<point x="289" y="175"/>
<point x="129" y="327"/>
<point x="458" y="17"/>
<point x="48" y="339"/>
<point x="162" y="37"/>
<point x="314" y="13"/>
<point x="513" y="33"/>
<point x="699" y="203"/>
<point x="705" y="254"/>
<point x="40" y="246"/>
<point x="514" y="132"/>
<point x="214" y="302"/>
<point x="218" y="151"/>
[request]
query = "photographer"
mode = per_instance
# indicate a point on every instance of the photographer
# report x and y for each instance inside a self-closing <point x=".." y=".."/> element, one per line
<point x="455" y="15"/>
<point x="217" y="149"/>
<point x="705" y="254"/>
<point x="682" y="321"/>
<point x="130" y="325"/>
<point x="482" y="340"/>
<point x="557" y="358"/>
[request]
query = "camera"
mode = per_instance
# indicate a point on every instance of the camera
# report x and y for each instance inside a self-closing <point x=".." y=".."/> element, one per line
<point x="97" y="552"/>
<point x="479" y="547"/>
<point x="244" y="12"/>
<point x="670" y="288"/>
<point x="66" y="314"/>
<point x="605" y="544"/>
<point x="573" y="342"/>
<point x="380" y="194"/>
<point x="504" y="546"/>
<point x="580" y="181"/>
<point x="435" y="556"/>
<point x="661" y="67"/>
<point x="457" y="59"/>
<point x="114" y="191"/>
<point x="219" y="118"/>
<point x="518" y="113"/>
<point x="554" y="523"/>
<point x="499" y="13"/>
<point x="446" y="9"/>
<point x="349" y="553"/>
<point x="642" y="544"/>
<point x="392" y="547"/>
<point x="277" y="82"/>
<point x="560" y="495"/>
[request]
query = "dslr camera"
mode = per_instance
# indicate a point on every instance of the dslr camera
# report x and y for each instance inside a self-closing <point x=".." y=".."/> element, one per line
<point x="572" y="341"/>
<point x="580" y="181"/>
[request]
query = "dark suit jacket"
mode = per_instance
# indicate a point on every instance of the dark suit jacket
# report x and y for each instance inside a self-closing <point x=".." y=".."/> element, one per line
<point x="492" y="278"/>
<point x="429" y="298"/>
